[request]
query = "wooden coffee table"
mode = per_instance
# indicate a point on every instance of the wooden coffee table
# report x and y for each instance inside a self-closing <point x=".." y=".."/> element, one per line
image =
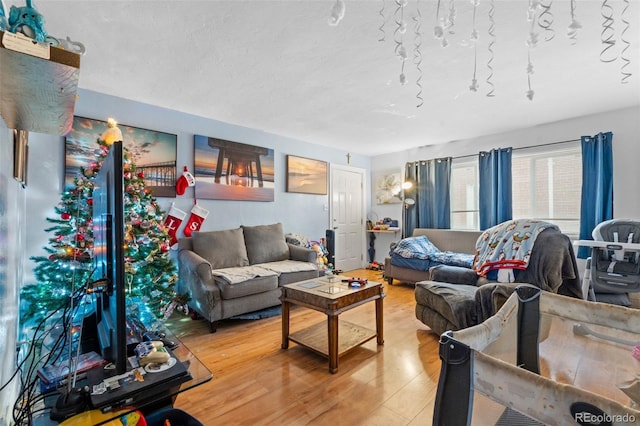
<point x="333" y="298"/>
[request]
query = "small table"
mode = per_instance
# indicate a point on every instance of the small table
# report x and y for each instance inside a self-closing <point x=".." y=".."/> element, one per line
<point x="331" y="296"/>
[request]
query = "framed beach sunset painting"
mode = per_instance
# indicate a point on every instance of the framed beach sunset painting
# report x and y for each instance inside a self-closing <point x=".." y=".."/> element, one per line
<point x="227" y="170"/>
<point x="153" y="153"/>
<point x="306" y="175"/>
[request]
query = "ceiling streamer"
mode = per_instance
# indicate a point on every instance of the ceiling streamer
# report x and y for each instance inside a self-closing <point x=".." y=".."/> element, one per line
<point x="574" y="26"/>
<point x="626" y="62"/>
<point x="607" y="35"/>
<point x="417" y="55"/>
<point x="492" y="41"/>
<point x="381" y="27"/>
<point x="474" y="38"/>
<point x="401" y="28"/>
<point x="541" y="21"/>
<point x="545" y="20"/>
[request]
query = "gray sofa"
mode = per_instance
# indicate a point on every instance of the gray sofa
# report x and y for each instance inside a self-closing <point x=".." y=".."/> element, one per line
<point x="235" y="271"/>
<point x="445" y="239"/>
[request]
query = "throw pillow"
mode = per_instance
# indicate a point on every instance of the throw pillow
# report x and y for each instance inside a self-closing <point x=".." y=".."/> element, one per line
<point x="265" y="243"/>
<point x="223" y="249"/>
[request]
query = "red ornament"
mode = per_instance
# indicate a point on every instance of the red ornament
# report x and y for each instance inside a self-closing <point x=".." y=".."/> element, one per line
<point x="141" y="175"/>
<point x="65" y="216"/>
<point x="79" y="237"/>
<point x="90" y="201"/>
<point x="164" y="248"/>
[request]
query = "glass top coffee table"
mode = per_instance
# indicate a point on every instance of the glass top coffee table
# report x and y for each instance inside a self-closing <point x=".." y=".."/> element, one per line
<point x="332" y="296"/>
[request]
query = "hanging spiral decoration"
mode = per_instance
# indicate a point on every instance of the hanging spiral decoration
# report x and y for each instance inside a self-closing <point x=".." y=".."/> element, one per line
<point x="401" y="28"/>
<point x="545" y="20"/>
<point x="491" y="32"/>
<point x="451" y="17"/>
<point x="574" y="26"/>
<point x="438" y="30"/>
<point x="530" y="92"/>
<point x="626" y="61"/>
<point x="607" y="34"/>
<point x="381" y="27"/>
<point x="474" y="37"/>
<point x="417" y="55"/>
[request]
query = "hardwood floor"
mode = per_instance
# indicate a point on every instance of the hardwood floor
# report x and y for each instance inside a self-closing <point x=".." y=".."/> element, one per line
<point x="256" y="382"/>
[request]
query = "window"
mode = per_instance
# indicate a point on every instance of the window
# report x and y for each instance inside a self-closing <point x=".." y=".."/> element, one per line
<point x="464" y="194"/>
<point x="546" y="185"/>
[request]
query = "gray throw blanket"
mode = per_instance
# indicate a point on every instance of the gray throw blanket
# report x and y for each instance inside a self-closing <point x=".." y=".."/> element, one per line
<point x="553" y="265"/>
<point x="552" y="268"/>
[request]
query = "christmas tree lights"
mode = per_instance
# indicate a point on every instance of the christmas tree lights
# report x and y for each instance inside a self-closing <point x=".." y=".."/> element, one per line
<point x="150" y="272"/>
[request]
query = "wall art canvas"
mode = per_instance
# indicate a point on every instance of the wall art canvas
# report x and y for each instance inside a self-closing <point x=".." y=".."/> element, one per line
<point x="306" y="175"/>
<point x="227" y="170"/>
<point x="388" y="188"/>
<point x="153" y="152"/>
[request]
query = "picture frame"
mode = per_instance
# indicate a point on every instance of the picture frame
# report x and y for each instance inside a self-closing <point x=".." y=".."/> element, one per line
<point x="153" y="152"/>
<point x="228" y="170"/>
<point x="306" y="175"/>
<point x="388" y="187"/>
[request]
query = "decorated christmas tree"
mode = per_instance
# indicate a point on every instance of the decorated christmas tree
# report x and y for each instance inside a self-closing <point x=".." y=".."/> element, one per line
<point x="68" y="265"/>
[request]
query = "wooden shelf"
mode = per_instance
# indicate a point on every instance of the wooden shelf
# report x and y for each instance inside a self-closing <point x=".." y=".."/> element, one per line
<point x="38" y="94"/>
<point x="384" y="231"/>
<point x="316" y="338"/>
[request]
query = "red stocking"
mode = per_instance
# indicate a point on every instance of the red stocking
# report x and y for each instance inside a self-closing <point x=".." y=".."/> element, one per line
<point x="184" y="181"/>
<point x="172" y="223"/>
<point x="198" y="215"/>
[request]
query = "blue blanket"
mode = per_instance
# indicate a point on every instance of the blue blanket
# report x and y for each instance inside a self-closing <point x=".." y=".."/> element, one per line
<point x="508" y="245"/>
<point x="413" y="250"/>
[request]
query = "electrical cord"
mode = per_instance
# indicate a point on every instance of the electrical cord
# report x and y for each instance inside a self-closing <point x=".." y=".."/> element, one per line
<point x="27" y="398"/>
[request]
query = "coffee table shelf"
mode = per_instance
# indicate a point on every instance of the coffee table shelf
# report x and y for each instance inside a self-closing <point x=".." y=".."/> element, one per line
<point x="316" y="338"/>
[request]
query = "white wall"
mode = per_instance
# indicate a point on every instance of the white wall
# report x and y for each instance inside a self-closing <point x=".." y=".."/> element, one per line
<point x="12" y="225"/>
<point x="624" y="123"/>
<point x="305" y="214"/>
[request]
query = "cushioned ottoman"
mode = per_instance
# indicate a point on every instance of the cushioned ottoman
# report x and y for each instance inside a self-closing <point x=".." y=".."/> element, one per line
<point x="445" y="306"/>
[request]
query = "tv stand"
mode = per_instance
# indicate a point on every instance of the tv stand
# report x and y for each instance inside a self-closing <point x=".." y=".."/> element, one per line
<point x="151" y="398"/>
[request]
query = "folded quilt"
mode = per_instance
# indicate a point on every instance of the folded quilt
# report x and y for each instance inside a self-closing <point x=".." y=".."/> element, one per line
<point x="240" y="274"/>
<point x="286" y="266"/>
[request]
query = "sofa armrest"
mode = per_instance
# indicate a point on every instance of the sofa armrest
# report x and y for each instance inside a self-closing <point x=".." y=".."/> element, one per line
<point x="193" y="267"/>
<point x="302" y="254"/>
<point x="455" y="275"/>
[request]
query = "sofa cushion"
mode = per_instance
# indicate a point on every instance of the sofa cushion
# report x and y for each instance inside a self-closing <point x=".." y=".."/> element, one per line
<point x="223" y="249"/>
<point x="265" y="243"/>
<point x="454" y="302"/>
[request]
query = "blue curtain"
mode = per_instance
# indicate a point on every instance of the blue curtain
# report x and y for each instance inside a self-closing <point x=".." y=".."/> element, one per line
<point x="597" y="185"/>
<point x="431" y="184"/>
<point x="495" y="200"/>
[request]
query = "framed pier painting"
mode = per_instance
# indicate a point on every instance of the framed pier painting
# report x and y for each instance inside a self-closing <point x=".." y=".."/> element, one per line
<point x="227" y="170"/>
<point x="153" y="153"/>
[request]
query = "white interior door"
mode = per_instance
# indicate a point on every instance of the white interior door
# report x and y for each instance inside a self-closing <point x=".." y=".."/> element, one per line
<point x="347" y="220"/>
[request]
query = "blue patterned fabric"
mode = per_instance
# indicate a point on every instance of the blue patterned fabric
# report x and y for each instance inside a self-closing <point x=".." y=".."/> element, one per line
<point x="421" y="254"/>
<point x="453" y="259"/>
<point x="415" y="248"/>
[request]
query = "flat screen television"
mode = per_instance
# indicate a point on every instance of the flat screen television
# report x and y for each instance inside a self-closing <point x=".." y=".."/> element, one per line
<point x="108" y="252"/>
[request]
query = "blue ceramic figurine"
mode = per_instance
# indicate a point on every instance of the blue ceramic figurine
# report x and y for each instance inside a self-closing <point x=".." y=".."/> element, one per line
<point x="28" y="21"/>
<point x="3" y="17"/>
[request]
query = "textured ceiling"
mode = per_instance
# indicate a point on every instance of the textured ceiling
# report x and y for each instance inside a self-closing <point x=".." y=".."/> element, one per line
<point x="278" y="66"/>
